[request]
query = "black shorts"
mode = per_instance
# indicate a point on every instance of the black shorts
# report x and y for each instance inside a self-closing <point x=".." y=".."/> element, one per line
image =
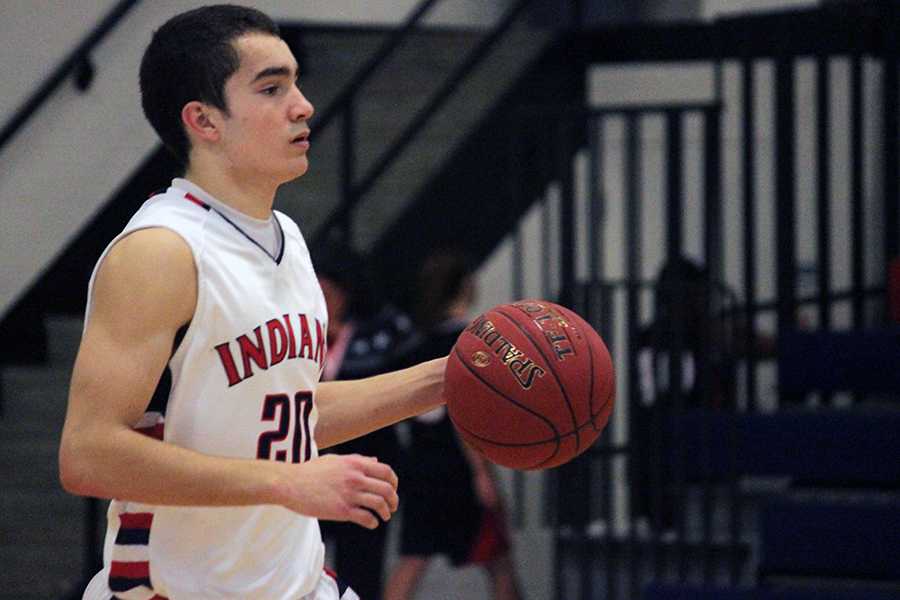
<point x="450" y="522"/>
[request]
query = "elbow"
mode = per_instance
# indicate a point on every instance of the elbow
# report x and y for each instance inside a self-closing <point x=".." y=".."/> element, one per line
<point x="74" y="472"/>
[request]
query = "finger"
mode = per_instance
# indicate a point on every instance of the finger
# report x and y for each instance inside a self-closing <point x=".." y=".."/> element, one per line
<point x="364" y="518"/>
<point x="375" y="503"/>
<point x="382" y="489"/>
<point x="381" y="471"/>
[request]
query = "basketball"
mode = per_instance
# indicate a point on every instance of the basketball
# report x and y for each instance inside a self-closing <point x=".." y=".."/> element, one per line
<point x="529" y="385"/>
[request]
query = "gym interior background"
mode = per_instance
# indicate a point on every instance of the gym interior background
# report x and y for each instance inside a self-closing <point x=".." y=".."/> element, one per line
<point x="573" y="148"/>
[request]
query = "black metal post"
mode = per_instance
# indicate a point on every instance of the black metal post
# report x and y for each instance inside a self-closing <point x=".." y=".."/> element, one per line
<point x="633" y="258"/>
<point x="348" y="170"/>
<point x="785" y="237"/>
<point x="714" y="263"/>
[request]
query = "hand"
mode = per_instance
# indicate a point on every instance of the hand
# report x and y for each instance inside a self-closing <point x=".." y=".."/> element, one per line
<point x="342" y="488"/>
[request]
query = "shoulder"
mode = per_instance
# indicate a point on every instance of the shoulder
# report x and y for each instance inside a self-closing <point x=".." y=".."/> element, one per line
<point x="149" y="270"/>
<point x="288" y="225"/>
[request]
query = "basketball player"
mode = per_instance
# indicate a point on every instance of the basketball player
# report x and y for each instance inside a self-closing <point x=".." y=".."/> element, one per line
<point x="452" y="506"/>
<point x="366" y="335"/>
<point x="209" y="298"/>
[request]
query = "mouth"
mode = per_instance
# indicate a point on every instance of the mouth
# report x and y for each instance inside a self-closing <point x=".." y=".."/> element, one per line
<point x="301" y="140"/>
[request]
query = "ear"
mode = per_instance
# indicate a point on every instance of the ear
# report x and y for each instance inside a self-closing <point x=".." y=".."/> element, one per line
<point x="199" y="121"/>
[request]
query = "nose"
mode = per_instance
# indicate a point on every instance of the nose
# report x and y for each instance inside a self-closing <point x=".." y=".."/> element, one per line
<point x="301" y="108"/>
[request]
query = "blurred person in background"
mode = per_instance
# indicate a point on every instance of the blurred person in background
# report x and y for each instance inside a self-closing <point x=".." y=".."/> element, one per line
<point x="366" y="336"/>
<point x="452" y="504"/>
<point x="687" y="361"/>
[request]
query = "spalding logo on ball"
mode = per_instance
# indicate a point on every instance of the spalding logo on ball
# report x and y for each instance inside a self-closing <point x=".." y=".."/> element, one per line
<point x="530" y="385"/>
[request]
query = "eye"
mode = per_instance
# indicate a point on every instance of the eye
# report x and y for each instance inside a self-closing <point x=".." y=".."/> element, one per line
<point x="270" y="90"/>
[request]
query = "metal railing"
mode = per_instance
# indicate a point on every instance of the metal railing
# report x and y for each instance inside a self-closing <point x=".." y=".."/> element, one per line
<point x="352" y="191"/>
<point x="77" y="63"/>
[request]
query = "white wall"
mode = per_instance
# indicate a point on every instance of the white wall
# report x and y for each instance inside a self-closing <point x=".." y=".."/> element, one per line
<point x="78" y="148"/>
<point x="32" y="44"/>
<point x="36" y="35"/>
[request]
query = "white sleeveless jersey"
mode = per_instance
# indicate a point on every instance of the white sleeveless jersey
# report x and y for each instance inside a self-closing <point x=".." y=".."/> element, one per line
<point x="242" y="385"/>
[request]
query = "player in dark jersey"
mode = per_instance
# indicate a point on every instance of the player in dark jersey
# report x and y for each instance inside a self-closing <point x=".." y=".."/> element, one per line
<point x="451" y="504"/>
<point x="366" y="336"/>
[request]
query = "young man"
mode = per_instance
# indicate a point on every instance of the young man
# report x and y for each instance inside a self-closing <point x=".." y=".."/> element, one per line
<point x="194" y="401"/>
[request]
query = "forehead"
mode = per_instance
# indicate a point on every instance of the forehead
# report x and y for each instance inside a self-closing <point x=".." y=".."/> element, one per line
<point x="258" y="51"/>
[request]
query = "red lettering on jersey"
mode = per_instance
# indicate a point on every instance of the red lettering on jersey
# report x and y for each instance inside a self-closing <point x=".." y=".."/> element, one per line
<point x="306" y="349"/>
<point x="227" y="359"/>
<point x="292" y="341"/>
<point x="278" y="341"/>
<point x="320" y="344"/>
<point x="255" y="352"/>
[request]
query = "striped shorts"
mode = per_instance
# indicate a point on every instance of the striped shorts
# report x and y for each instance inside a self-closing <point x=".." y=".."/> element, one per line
<point x="329" y="587"/>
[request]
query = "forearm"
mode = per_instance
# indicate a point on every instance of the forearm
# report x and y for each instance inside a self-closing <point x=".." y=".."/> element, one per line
<point x="350" y="409"/>
<point x="116" y="462"/>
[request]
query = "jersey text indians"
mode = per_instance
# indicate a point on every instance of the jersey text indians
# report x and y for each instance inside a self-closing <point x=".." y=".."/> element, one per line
<point x="277" y="340"/>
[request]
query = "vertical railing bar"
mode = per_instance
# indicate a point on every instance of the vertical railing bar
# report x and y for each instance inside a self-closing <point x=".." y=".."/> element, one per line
<point x="674" y="247"/>
<point x="713" y="228"/>
<point x="582" y="465"/>
<point x="515" y="183"/>
<point x="553" y="489"/>
<point x="786" y="199"/>
<point x="593" y="258"/>
<point x="748" y="98"/>
<point x="633" y="257"/>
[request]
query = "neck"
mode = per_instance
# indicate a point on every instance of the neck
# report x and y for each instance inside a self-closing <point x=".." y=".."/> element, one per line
<point x="242" y="193"/>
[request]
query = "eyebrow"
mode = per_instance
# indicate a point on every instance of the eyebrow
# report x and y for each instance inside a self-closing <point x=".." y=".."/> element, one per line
<point x="274" y="72"/>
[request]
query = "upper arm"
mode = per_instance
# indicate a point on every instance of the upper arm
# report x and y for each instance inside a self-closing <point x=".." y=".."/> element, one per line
<point x="144" y="291"/>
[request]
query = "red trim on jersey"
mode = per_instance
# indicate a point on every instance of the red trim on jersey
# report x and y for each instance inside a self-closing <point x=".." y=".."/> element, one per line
<point x="154" y="431"/>
<point x="196" y="200"/>
<point x="136" y="520"/>
<point x="129" y="570"/>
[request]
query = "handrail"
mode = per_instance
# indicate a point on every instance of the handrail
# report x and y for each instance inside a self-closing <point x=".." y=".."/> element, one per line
<point x="345" y="97"/>
<point x="356" y="191"/>
<point x="65" y="68"/>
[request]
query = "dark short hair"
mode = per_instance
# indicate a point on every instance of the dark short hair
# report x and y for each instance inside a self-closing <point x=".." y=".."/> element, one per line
<point x="441" y="278"/>
<point x="190" y="58"/>
<point x="338" y="261"/>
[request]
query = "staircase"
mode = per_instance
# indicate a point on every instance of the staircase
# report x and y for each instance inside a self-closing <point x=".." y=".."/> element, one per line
<point x="41" y="526"/>
<point x="385" y="107"/>
<point x="43" y="529"/>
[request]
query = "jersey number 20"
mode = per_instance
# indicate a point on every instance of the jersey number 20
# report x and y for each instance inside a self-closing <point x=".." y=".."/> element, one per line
<point x="279" y="409"/>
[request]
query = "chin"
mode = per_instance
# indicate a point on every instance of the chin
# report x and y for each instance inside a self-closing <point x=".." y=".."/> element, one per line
<point x="297" y="170"/>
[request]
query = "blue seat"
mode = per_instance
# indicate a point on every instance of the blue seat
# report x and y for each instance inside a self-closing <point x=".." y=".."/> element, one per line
<point x="689" y="592"/>
<point x="839" y="361"/>
<point x="823" y="447"/>
<point x="831" y="539"/>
